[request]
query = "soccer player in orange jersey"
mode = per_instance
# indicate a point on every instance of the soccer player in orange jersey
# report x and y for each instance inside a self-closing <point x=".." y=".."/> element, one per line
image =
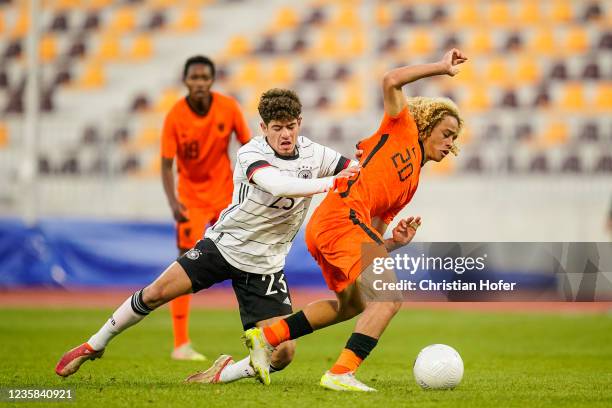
<point x="197" y="132"/>
<point x="355" y="215"/>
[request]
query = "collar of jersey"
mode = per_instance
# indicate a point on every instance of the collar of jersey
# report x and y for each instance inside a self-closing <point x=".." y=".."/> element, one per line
<point x="295" y="156"/>
<point x="422" y="153"/>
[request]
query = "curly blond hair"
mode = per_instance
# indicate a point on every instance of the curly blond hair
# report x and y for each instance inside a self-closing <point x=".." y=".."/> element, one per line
<point x="428" y="112"/>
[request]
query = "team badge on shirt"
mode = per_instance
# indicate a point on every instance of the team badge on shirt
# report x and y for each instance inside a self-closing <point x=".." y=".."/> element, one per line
<point x="305" y="174"/>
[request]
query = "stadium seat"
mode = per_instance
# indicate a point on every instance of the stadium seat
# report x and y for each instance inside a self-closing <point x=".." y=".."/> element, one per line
<point x="46" y="100"/>
<point x="529" y="12"/>
<point x="605" y="41"/>
<point x="407" y="16"/>
<point x="267" y="46"/>
<point x="477" y="100"/>
<point x="286" y="18"/>
<point x="346" y="18"/>
<point x="514" y="42"/>
<point x="576" y="40"/>
<point x="558" y="71"/>
<point x="4" y="138"/>
<point x="47" y="48"/>
<point x="439" y="14"/>
<point x="473" y="164"/>
<point x="342" y="73"/>
<point x="109" y="49"/>
<point x="419" y="42"/>
<point x="527" y="71"/>
<point x="123" y="20"/>
<point x="90" y="135"/>
<point x="70" y="165"/>
<point x="310" y="74"/>
<point x="539" y="164"/>
<point x="189" y="20"/>
<point x="22" y="24"/>
<point x="140" y="103"/>
<point x="561" y="11"/>
<point x="13" y="49"/>
<point x="299" y="45"/>
<point x="479" y="42"/>
<point x="327" y="45"/>
<point x="4" y="79"/>
<point x="523" y="132"/>
<point x="157" y="20"/>
<point x="451" y="41"/>
<point x="59" y="22"/>
<point x="591" y="71"/>
<point x="237" y="47"/>
<point x="592" y="13"/>
<point x="78" y="48"/>
<point x="167" y="100"/>
<point x="499" y="13"/>
<point x="542" y="98"/>
<point x="389" y="44"/>
<point x="572" y="97"/>
<point x="556" y="133"/>
<point x="543" y="42"/>
<point x="120" y="136"/>
<point x="352" y="100"/>
<point x="92" y="77"/>
<point x="335" y="133"/>
<point x="589" y="132"/>
<point x="281" y="72"/>
<point x="141" y="48"/>
<point x="92" y="21"/>
<point x="467" y="14"/>
<point x="316" y="17"/>
<point x="497" y="71"/>
<point x="604" y="164"/>
<point x="382" y="15"/>
<point x="248" y="74"/>
<point x="509" y="99"/>
<point x="572" y="164"/>
<point x="603" y="96"/>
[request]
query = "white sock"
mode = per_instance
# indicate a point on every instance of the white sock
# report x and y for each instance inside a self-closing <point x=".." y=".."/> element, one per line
<point x="125" y="316"/>
<point x="236" y="371"/>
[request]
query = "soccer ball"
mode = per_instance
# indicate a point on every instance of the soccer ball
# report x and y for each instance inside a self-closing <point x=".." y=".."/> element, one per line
<point x="438" y="367"/>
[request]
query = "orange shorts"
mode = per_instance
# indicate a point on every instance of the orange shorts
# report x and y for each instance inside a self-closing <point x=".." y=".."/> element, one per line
<point x="343" y="246"/>
<point x="192" y="230"/>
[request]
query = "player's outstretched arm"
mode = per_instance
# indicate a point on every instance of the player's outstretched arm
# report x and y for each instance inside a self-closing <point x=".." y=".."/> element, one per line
<point x="280" y="185"/>
<point x="394" y="80"/>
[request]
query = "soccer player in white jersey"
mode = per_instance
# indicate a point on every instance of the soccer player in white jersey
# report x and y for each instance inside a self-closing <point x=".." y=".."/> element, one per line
<point x="275" y="176"/>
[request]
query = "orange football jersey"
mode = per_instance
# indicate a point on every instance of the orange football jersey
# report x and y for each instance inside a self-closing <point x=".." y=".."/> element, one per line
<point x="200" y="144"/>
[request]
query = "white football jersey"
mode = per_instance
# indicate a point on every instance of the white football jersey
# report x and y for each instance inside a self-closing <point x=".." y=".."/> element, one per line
<point x="255" y="232"/>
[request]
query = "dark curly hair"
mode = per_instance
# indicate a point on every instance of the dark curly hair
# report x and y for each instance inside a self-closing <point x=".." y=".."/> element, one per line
<point x="279" y="104"/>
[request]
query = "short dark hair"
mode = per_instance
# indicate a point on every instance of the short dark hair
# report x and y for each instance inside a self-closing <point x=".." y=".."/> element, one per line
<point x="279" y="104"/>
<point x="198" y="59"/>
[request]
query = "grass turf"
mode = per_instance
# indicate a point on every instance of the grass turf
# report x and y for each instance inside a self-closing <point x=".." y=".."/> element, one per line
<point x="511" y="360"/>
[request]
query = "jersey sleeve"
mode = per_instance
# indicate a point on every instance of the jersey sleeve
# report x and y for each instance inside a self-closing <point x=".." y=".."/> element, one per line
<point x="243" y="133"/>
<point x="332" y="162"/>
<point x="168" y="139"/>
<point x="251" y="159"/>
<point x="389" y="215"/>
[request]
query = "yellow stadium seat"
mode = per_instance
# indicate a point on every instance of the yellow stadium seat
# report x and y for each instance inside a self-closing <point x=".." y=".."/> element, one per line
<point x="527" y="70"/>
<point x="468" y="14"/>
<point x="281" y="72"/>
<point x="148" y="136"/>
<point x="99" y="4"/>
<point x="327" y="45"/>
<point x="4" y="138"/>
<point x="67" y="4"/>
<point x="543" y="42"/>
<point x="352" y="100"/>
<point x="167" y="99"/>
<point x="286" y="18"/>
<point x="420" y="42"/>
<point x="346" y="18"/>
<point x="92" y="77"/>
<point x="556" y="133"/>
<point x="20" y="29"/>
<point x="478" y="99"/>
<point x="561" y="11"/>
<point x="383" y="15"/>
<point x="2" y="27"/>
<point x="497" y="71"/>
<point x="529" y="12"/>
<point x="238" y="46"/>
<point x="357" y="44"/>
<point x="572" y="97"/>
<point x="499" y="13"/>
<point x="189" y="20"/>
<point x="577" y="40"/>
<point x="249" y="73"/>
<point x="124" y="20"/>
<point x="467" y="74"/>
<point x="48" y="48"/>
<point x="109" y="49"/>
<point x="603" y="96"/>
<point x="142" y="48"/>
<point x="480" y="42"/>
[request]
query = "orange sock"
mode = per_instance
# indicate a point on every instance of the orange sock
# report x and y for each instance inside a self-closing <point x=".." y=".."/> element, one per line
<point x="347" y="362"/>
<point x="277" y="332"/>
<point x="179" y="308"/>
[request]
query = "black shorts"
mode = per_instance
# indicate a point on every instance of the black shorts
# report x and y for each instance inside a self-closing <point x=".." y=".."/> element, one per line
<point x="260" y="297"/>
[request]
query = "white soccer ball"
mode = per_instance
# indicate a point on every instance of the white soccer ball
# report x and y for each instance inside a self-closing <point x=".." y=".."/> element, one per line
<point x="438" y="367"/>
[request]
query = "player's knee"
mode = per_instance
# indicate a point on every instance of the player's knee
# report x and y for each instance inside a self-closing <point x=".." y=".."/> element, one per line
<point x="283" y="355"/>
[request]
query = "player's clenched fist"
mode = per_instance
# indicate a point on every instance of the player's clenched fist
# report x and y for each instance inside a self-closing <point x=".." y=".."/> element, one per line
<point x="451" y="59"/>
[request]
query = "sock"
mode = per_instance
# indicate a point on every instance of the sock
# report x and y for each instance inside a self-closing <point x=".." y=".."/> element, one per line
<point x="357" y="348"/>
<point x="240" y="369"/>
<point x="292" y="327"/>
<point x="179" y="308"/>
<point x="128" y="314"/>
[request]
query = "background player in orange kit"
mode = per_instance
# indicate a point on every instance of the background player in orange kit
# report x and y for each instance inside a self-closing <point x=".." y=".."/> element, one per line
<point x="197" y="132"/>
<point x="355" y="215"/>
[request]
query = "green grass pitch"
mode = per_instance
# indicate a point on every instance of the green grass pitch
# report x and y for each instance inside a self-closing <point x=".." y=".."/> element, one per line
<point x="511" y="360"/>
